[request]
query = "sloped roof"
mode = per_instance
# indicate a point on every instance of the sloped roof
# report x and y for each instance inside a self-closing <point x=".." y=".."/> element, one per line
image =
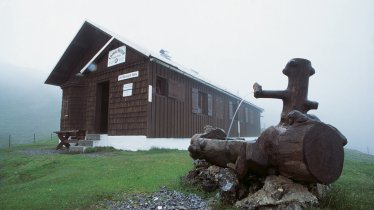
<point x="90" y="42"/>
<point x="87" y="41"/>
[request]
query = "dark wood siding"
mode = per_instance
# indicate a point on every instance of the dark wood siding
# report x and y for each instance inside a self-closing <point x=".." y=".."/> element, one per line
<point x="171" y="117"/>
<point x="180" y="105"/>
<point x="73" y="106"/>
<point x="126" y="115"/>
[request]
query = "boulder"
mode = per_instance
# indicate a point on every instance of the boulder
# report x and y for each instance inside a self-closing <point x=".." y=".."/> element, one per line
<point x="279" y="192"/>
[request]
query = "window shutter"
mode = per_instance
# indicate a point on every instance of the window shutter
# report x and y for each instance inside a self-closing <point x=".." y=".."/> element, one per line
<point x="210" y="105"/>
<point x="231" y="110"/>
<point x="251" y="117"/>
<point x="246" y="115"/>
<point x="195" y="100"/>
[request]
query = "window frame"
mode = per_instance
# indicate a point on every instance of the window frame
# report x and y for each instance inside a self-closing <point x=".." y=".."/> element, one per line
<point x="162" y="86"/>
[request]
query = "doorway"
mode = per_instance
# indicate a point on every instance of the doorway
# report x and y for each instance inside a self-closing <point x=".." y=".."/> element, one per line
<point x="102" y="107"/>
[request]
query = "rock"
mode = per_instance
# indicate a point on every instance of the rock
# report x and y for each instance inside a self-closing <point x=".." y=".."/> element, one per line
<point x="228" y="185"/>
<point x="255" y="183"/>
<point x="198" y="163"/>
<point x="255" y="192"/>
<point x="203" y="176"/>
<point x="214" y="177"/>
<point x="279" y="192"/>
<point x="319" y="190"/>
<point x="213" y="170"/>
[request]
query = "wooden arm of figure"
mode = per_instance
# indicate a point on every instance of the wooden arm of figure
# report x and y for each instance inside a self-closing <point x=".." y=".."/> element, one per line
<point x="310" y="105"/>
<point x="259" y="93"/>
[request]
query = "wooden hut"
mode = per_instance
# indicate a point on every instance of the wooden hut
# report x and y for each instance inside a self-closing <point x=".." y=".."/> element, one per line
<point x="127" y="94"/>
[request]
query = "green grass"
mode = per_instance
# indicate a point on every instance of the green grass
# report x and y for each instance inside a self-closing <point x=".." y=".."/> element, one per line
<point x="355" y="187"/>
<point x="66" y="181"/>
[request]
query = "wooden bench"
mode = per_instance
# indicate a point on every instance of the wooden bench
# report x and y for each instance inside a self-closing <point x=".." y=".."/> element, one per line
<point x="66" y="137"/>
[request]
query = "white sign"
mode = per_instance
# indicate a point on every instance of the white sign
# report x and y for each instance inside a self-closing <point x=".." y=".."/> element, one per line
<point x="117" y="56"/>
<point x="128" y="76"/>
<point x="149" y="93"/>
<point x="127" y="89"/>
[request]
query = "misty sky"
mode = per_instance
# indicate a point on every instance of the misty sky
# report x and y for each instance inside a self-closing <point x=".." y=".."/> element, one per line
<point x="233" y="43"/>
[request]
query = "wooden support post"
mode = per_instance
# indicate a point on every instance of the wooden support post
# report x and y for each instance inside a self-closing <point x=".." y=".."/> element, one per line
<point x="34" y="138"/>
<point x="9" y="141"/>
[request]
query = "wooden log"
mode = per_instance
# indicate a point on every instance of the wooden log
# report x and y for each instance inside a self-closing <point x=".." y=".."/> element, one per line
<point x="303" y="149"/>
<point x="239" y="155"/>
<point x="309" y="151"/>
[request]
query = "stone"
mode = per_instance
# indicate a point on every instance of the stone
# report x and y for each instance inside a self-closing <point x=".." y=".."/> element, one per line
<point x="203" y="176"/>
<point x="279" y="192"/>
<point x="198" y="163"/>
<point x="213" y="170"/>
<point x="319" y="190"/>
<point x="228" y="185"/>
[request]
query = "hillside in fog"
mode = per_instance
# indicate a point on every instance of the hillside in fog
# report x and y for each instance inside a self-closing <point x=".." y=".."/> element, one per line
<point x="27" y="105"/>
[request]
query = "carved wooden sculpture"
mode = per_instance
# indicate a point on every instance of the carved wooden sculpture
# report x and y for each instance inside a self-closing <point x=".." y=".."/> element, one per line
<point x="300" y="147"/>
<point x="295" y="96"/>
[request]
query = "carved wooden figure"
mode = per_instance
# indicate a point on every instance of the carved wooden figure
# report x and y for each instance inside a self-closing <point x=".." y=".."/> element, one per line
<point x="298" y="71"/>
<point x="300" y="147"/>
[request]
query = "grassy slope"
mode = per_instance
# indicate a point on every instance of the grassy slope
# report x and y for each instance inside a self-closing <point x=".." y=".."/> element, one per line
<point x="355" y="187"/>
<point x="69" y="181"/>
<point x="61" y="181"/>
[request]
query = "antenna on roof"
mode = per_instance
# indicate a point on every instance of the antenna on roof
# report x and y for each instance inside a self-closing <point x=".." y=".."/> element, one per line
<point x="165" y="54"/>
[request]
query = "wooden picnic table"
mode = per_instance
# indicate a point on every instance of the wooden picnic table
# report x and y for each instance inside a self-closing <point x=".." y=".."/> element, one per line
<point x="67" y="136"/>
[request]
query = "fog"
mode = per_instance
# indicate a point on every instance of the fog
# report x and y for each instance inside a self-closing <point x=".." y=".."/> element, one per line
<point x="233" y="43"/>
<point x="27" y="106"/>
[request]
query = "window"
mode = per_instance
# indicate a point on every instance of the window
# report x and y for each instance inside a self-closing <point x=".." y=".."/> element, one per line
<point x="202" y="103"/>
<point x="176" y="90"/>
<point x="161" y="86"/>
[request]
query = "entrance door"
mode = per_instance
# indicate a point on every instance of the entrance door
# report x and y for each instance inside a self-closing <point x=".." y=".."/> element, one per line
<point x="102" y="105"/>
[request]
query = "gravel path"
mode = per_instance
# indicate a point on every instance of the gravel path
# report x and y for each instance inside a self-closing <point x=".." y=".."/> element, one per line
<point x="163" y="200"/>
<point x="41" y="151"/>
<point x="53" y="152"/>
